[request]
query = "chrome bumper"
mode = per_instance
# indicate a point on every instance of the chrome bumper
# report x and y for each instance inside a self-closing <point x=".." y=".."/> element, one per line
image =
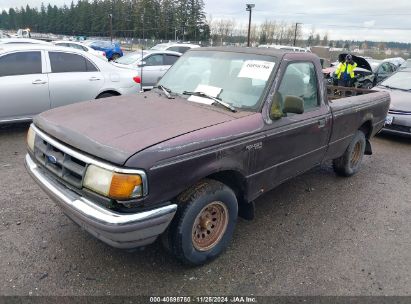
<point x="115" y="229"/>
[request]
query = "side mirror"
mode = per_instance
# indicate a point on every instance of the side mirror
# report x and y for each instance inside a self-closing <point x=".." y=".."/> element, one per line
<point x="293" y="104"/>
<point x="276" y="111"/>
<point x="141" y="64"/>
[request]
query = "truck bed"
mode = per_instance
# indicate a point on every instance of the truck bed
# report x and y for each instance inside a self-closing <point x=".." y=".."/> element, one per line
<point x="351" y="108"/>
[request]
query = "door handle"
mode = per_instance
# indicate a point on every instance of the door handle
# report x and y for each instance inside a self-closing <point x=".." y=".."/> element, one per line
<point x="322" y="122"/>
<point x="39" y="81"/>
<point x="94" y="79"/>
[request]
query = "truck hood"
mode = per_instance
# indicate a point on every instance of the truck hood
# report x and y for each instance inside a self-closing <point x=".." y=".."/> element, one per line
<point x="115" y="128"/>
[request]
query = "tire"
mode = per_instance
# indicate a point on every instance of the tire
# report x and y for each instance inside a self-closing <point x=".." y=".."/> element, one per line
<point x="105" y="95"/>
<point x="115" y="56"/>
<point x="350" y="162"/>
<point x="367" y="85"/>
<point x="204" y="223"/>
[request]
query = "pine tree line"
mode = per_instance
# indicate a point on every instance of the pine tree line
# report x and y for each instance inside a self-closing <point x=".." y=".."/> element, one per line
<point x="153" y="19"/>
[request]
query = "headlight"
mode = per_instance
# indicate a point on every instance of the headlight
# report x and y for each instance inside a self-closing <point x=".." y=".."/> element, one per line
<point x="31" y="136"/>
<point x="114" y="185"/>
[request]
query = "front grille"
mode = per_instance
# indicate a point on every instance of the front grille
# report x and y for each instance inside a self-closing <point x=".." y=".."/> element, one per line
<point x="398" y="128"/>
<point x="61" y="164"/>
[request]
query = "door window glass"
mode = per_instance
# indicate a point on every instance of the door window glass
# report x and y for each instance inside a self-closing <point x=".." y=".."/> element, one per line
<point x="300" y="80"/>
<point x="170" y="59"/>
<point x="66" y="63"/>
<point x="154" y="60"/>
<point x="21" y="63"/>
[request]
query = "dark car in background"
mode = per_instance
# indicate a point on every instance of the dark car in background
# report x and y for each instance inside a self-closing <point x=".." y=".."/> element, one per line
<point x="398" y="120"/>
<point x="112" y="49"/>
<point x="368" y="73"/>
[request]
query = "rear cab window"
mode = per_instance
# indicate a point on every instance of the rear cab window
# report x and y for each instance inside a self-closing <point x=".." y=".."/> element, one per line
<point x="21" y="63"/>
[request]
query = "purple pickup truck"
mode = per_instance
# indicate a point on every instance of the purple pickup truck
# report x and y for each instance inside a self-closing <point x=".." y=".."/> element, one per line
<point x="181" y="162"/>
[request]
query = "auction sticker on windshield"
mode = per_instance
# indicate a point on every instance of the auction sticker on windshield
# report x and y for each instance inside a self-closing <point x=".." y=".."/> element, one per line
<point x="256" y="69"/>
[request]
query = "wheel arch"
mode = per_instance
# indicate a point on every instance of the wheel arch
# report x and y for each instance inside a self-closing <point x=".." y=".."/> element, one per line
<point x="114" y="92"/>
<point x="237" y="182"/>
<point x="367" y="129"/>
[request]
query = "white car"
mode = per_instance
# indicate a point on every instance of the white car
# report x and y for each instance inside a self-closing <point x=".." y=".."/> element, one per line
<point x="35" y="78"/>
<point x="23" y="41"/>
<point x="175" y="47"/>
<point x="80" y="46"/>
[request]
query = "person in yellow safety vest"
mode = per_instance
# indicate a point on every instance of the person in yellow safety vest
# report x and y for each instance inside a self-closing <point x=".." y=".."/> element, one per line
<point x="345" y="72"/>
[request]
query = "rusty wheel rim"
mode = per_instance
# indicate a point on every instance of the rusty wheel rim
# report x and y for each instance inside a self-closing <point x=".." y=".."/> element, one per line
<point x="209" y="226"/>
<point x="356" y="154"/>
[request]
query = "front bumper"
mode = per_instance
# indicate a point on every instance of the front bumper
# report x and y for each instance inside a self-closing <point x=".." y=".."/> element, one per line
<point x="115" y="229"/>
<point x="401" y="125"/>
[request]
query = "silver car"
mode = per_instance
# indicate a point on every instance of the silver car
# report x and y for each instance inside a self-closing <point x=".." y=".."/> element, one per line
<point x="398" y="120"/>
<point x="35" y="78"/>
<point x="151" y="65"/>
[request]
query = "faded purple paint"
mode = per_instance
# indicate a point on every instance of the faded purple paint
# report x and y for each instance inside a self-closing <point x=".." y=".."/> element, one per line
<point x="116" y="128"/>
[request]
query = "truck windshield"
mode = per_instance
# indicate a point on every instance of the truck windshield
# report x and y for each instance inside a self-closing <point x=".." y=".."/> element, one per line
<point x="237" y="79"/>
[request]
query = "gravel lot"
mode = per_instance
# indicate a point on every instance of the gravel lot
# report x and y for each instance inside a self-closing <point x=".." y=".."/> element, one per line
<point x="317" y="234"/>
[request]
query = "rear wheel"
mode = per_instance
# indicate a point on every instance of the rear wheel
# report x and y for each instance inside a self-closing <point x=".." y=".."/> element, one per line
<point x="350" y="162"/>
<point x="204" y="223"/>
<point x="115" y="56"/>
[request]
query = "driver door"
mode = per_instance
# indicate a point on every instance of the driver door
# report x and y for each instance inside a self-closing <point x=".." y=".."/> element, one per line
<point x="295" y="143"/>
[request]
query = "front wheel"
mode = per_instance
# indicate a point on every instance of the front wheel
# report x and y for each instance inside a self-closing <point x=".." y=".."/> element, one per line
<point x="367" y="85"/>
<point x="350" y="162"/>
<point x="204" y="223"/>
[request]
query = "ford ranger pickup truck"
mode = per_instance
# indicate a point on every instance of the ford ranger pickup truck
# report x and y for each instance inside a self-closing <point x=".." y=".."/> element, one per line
<point x="180" y="163"/>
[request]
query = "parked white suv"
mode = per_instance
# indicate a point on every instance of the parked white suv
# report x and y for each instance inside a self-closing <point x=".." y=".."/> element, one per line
<point x="35" y="78"/>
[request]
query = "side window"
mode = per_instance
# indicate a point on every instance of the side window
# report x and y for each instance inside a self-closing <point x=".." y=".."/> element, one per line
<point x="21" y="63"/>
<point x="66" y="63"/>
<point x="154" y="60"/>
<point x="170" y="59"/>
<point x="62" y="44"/>
<point x="183" y="49"/>
<point x="383" y="69"/>
<point x="300" y="80"/>
<point x="174" y="49"/>
<point x="90" y="67"/>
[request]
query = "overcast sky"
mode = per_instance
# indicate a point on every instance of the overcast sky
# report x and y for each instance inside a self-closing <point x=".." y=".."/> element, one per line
<point x="380" y="20"/>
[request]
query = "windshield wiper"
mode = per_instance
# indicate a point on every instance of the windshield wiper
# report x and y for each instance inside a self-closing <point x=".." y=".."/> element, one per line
<point x="385" y="86"/>
<point x="165" y="90"/>
<point x="394" y="88"/>
<point x="219" y="101"/>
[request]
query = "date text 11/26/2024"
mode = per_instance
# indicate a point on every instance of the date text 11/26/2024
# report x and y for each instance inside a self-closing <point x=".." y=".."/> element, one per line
<point x="204" y="299"/>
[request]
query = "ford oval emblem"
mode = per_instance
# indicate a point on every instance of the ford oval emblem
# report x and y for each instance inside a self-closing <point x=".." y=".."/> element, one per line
<point x="52" y="159"/>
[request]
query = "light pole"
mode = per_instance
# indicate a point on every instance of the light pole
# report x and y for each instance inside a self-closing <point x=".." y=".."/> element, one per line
<point x="249" y="8"/>
<point x="295" y="32"/>
<point x="110" y="16"/>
